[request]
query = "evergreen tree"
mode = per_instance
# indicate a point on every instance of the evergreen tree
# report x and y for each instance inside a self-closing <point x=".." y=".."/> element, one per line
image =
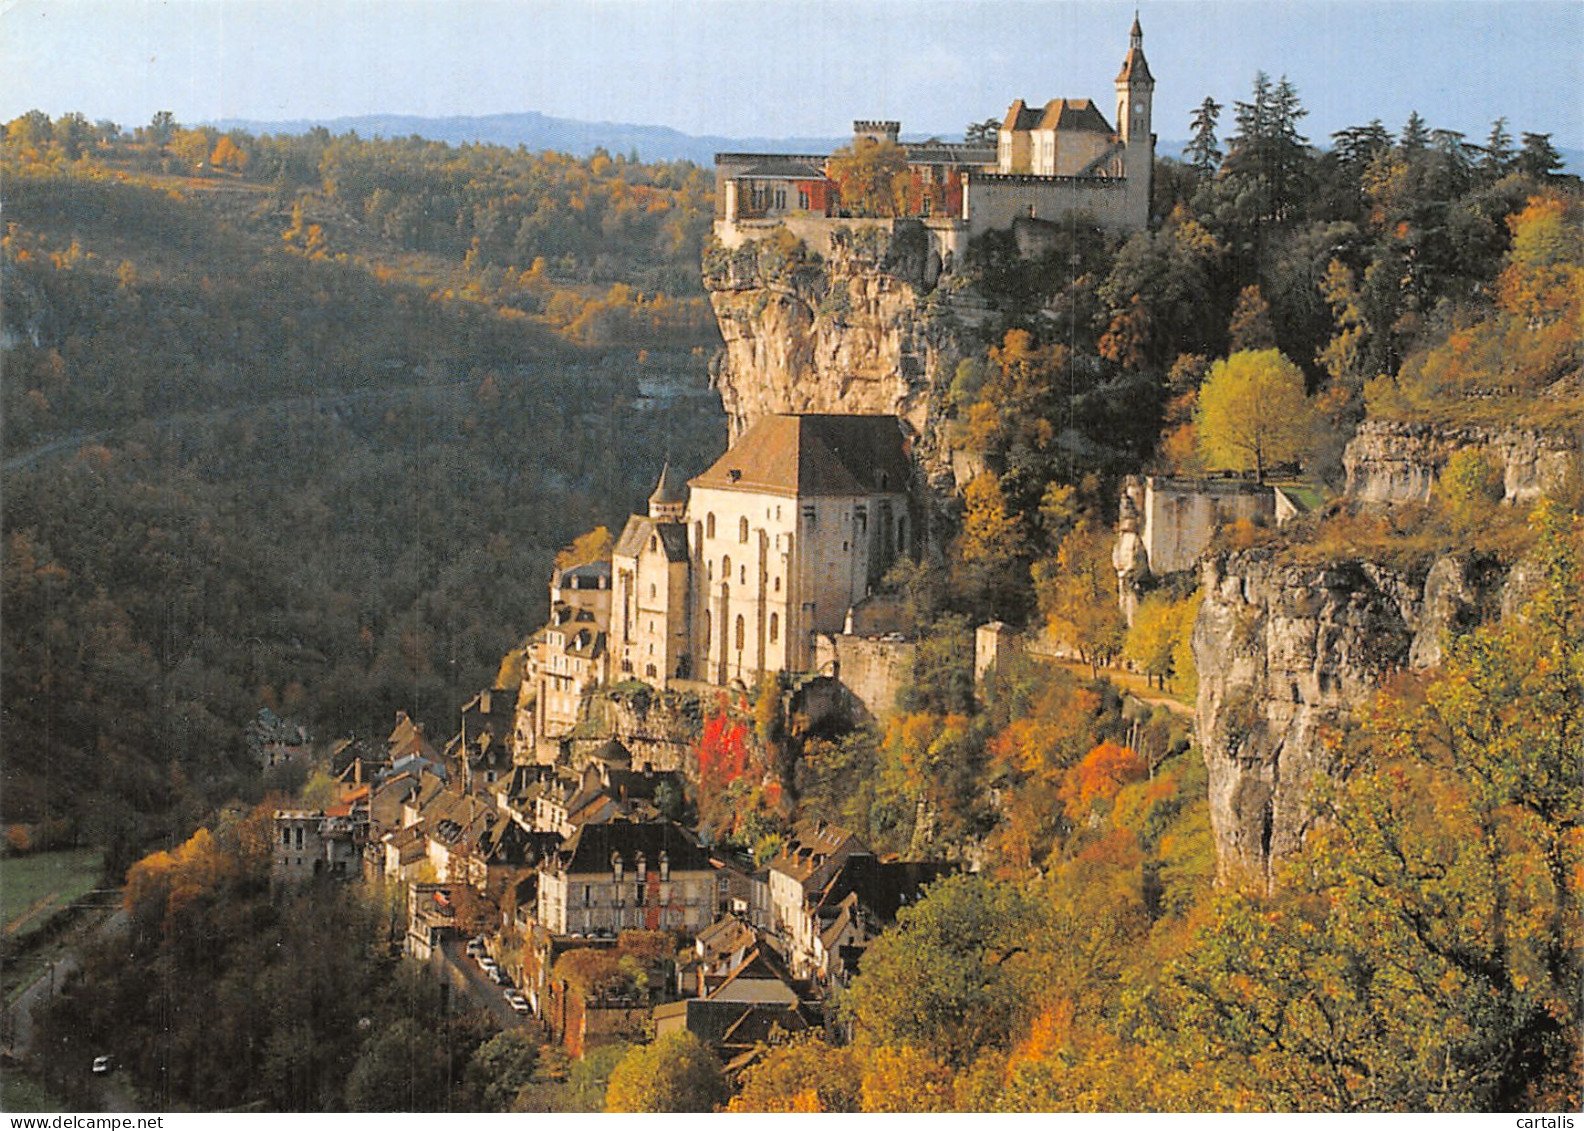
<point x="1415" y="135"/>
<point x="1204" y="151"/>
<point x="1497" y="155"/>
<point x="1538" y="158"/>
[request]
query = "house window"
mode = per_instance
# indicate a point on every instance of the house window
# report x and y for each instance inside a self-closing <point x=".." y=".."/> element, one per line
<point x="299" y="836"/>
<point x="725" y="567"/>
<point x="285" y="838"/>
<point x="803" y="199"/>
<point x="775" y="620"/>
<point x="588" y="895"/>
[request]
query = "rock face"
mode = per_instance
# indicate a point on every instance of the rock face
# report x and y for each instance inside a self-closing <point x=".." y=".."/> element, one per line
<point x="1390" y="461"/>
<point x="1285" y="654"/>
<point x="859" y="330"/>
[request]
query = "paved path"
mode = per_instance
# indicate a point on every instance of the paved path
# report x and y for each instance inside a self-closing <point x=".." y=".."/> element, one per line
<point x="113" y="1095"/>
<point x="452" y="955"/>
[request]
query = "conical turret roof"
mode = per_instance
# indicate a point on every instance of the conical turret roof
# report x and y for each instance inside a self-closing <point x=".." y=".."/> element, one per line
<point x="671" y="488"/>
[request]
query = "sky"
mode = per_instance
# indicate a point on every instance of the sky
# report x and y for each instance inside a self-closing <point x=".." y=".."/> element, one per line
<point x="788" y="68"/>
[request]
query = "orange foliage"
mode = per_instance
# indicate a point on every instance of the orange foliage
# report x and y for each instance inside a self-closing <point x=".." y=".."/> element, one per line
<point x="1101" y="774"/>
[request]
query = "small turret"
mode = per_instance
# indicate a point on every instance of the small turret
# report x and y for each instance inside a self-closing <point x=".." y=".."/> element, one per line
<point x="668" y="503"/>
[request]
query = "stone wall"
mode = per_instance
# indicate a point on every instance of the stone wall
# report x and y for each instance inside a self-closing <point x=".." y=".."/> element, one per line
<point x="872" y="668"/>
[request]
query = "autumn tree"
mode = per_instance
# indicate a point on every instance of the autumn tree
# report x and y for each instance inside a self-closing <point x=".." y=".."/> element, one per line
<point x="802" y="1075"/>
<point x="1253" y="413"/>
<point x="871" y="175"/>
<point x="676" y="1073"/>
<point x="591" y="546"/>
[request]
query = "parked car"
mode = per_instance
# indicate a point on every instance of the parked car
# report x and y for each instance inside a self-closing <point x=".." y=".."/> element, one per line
<point x="103" y="1064"/>
<point x="516" y="1001"/>
<point x="494" y="974"/>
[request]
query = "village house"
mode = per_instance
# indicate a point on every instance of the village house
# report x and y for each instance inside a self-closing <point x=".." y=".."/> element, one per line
<point x="627" y="875"/>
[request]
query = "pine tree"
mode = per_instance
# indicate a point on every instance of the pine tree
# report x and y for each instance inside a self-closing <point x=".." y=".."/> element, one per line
<point x="1203" y="151"/>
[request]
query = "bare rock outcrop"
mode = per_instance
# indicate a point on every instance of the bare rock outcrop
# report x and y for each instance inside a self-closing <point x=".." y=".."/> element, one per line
<point x="1286" y="652"/>
<point x="1392" y="461"/>
<point x="860" y="329"/>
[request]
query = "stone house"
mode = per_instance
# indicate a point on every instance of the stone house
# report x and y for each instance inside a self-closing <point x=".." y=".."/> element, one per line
<point x="607" y="878"/>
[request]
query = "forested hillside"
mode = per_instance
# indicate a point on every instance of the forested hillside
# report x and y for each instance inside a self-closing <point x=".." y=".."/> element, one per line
<point x="269" y="443"/>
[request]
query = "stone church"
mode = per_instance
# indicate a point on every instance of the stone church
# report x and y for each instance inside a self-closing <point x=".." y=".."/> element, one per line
<point x="734" y="574"/>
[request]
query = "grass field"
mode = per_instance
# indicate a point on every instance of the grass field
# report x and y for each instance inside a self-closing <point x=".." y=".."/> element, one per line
<point x="34" y="887"/>
<point x="20" y="1092"/>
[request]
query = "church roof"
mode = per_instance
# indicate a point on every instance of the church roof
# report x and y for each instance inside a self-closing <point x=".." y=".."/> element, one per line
<point x="814" y="455"/>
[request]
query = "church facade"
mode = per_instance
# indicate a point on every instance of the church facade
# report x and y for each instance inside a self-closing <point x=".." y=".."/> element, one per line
<point x="774" y="543"/>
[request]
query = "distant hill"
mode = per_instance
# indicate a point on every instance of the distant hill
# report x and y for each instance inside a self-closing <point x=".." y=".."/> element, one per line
<point x="540" y="131"/>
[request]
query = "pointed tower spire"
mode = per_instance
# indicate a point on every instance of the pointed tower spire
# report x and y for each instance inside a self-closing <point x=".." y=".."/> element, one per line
<point x="668" y="503"/>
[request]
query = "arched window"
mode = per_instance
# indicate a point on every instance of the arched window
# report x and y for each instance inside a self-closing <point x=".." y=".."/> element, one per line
<point x="775" y="627"/>
<point x="706" y="630"/>
<point x="741" y="633"/>
<point x="742" y="578"/>
<point x="742" y="529"/>
<point x="698" y="534"/>
<point x="709" y="525"/>
<point x="725" y="567"/>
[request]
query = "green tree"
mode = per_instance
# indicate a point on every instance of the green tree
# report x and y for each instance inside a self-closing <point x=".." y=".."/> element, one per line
<point x="987" y="132"/>
<point x="674" y="1074"/>
<point x="1253" y="413"/>
<point x="955" y="976"/>
<point x="500" y="1069"/>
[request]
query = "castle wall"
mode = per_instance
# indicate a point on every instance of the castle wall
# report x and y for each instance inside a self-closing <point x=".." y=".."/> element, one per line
<point x="993" y="202"/>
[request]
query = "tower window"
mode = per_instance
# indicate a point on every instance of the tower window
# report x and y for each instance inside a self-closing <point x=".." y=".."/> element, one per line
<point x="742" y="529"/>
<point x="741" y="632"/>
<point x="709" y="525"/>
<point x="775" y="627"/>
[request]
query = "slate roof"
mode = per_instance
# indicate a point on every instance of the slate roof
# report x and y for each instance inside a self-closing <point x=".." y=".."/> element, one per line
<point x="635" y="537"/>
<point x="814" y="455"/>
<point x="1134" y="68"/>
<point x="589" y="850"/>
<point x="784" y="169"/>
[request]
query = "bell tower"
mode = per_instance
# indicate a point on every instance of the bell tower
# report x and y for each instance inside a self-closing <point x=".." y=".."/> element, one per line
<point x="1135" y="91"/>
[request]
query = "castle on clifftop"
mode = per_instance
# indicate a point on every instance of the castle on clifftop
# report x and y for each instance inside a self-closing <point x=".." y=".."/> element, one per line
<point x="1049" y="162"/>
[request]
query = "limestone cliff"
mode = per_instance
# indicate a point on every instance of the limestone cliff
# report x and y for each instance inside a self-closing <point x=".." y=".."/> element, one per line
<point x="1286" y="653"/>
<point x="1390" y="461"/>
<point x="858" y="326"/>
